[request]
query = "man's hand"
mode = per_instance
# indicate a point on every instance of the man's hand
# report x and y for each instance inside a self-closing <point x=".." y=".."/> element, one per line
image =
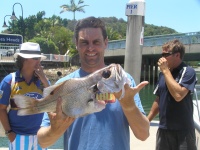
<point x="60" y="122"/>
<point x="59" y="119"/>
<point x="39" y="73"/>
<point x="163" y="64"/>
<point x="130" y="92"/>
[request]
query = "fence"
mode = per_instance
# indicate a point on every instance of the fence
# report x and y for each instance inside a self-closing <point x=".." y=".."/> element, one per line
<point x="50" y="57"/>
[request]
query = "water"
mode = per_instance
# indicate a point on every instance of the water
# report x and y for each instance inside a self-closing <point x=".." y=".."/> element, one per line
<point x="147" y="98"/>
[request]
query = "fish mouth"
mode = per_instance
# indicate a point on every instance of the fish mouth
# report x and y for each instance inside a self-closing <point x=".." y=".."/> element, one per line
<point x="102" y="97"/>
<point x="105" y="97"/>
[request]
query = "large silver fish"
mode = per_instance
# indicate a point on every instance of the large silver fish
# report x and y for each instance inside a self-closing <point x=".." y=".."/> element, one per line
<point x="78" y="94"/>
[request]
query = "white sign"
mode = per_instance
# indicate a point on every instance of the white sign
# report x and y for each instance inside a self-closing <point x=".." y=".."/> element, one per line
<point x="142" y="36"/>
<point x="135" y="8"/>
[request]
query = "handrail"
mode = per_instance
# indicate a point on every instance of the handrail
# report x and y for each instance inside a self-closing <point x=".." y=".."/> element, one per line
<point x="197" y="103"/>
<point x="159" y="40"/>
<point x="50" y="57"/>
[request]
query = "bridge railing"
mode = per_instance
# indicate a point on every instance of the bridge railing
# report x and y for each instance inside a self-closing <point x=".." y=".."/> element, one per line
<point x="50" y="57"/>
<point x="159" y="40"/>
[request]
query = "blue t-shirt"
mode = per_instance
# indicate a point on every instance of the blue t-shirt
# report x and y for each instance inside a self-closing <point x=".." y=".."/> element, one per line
<point x="175" y="115"/>
<point x="23" y="125"/>
<point x="105" y="130"/>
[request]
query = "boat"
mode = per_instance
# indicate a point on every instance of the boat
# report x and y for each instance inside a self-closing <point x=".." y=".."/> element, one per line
<point x="196" y="114"/>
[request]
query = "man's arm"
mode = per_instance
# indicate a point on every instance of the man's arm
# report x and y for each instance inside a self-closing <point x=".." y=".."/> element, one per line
<point x="137" y="121"/>
<point x="5" y="122"/>
<point x="177" y="91"/>
<point x="59" y="124"/>
<point x="154" y="109"/>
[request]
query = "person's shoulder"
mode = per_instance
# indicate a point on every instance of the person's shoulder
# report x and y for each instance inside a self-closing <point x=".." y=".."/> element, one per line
<point x="190" y="69"/>
<point x="131" y="79"/>
<point x="129" y="76"/>
<point x="7" y="78"/>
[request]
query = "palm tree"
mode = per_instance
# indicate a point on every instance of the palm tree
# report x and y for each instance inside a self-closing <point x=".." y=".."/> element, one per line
<point x="73" y="7"/>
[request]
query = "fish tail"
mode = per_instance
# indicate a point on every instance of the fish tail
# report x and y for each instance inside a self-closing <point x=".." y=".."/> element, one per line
<point x="26" y="105"/>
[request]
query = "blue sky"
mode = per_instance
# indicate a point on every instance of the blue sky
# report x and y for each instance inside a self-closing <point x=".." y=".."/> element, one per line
<point x="181" y="15"/>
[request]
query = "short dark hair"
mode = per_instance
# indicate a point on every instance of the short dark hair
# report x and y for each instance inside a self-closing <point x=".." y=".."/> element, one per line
<point x="175" y="46"/>
<point x="90" y="22"/>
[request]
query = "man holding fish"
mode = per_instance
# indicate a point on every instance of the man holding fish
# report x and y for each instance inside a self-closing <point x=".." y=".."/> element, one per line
<point x="109" y="128"/>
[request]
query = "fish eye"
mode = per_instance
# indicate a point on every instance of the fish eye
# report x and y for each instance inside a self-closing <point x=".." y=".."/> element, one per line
<point x="106" y="74"/>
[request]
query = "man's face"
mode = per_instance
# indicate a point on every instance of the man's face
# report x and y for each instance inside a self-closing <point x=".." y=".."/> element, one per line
<point x="170" y="57"/>
<point x="91" y="46"/>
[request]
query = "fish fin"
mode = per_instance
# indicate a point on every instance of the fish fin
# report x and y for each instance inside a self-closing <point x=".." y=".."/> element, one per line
<point x="24" y="101"/>
<point x="26" y="105"/>
<point x="47" y="91"/>
<point x="28" y="111"/>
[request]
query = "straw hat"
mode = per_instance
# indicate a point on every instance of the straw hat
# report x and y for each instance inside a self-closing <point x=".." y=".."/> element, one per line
<point x="30" y="50"/>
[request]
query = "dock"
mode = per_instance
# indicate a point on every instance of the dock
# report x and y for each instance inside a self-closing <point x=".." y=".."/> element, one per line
<point x="149" y="143"/>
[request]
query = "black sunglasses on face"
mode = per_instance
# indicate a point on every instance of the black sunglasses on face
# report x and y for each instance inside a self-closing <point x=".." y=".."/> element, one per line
<point x="36" y="58"/>
<point x="167" y="54"/>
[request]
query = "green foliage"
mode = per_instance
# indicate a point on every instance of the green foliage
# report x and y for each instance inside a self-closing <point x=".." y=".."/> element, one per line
<point x="112" y="35"/>
<point x="117" y="25"/>
<point x="73" y="7"/>
<point x="151" y="30"/>
<point x="62" y="37"/>
<point x="47" y="47"/>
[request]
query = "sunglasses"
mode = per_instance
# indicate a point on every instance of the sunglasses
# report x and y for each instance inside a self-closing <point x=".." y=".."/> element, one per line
<point x="167" y="54"/>
<point x="36" y="58"/>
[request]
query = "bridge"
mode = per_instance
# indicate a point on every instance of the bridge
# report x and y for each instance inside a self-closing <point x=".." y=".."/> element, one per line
<point x="152" y="47"/>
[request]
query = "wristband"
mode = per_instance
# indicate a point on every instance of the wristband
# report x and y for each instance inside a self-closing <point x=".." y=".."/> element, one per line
<point x="8" y="132"/>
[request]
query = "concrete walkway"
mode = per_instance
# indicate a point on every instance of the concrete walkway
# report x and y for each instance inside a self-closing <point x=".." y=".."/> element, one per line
<point x="149" y="143"/>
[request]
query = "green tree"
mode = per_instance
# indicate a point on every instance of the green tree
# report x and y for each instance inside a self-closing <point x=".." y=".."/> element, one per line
<point x="112" y="35"/>
<point x="26" y="25"/>
<point x="73" y="7"/>
<point x="55" y="21"/>
<point x="47" y="47"/>
<point x="63" y="38"/>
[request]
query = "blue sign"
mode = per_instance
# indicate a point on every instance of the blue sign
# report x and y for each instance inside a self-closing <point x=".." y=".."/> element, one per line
<point x="11" y="38"/>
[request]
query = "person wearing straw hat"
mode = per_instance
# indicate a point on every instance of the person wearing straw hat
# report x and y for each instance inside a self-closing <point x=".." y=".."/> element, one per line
<point x="28" y="80"/>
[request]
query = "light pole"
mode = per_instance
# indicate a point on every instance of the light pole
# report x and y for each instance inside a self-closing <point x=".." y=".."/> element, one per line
<point x="4" y="24"/>
<point x="135" y="11"/>
<point x="13" y="17"/>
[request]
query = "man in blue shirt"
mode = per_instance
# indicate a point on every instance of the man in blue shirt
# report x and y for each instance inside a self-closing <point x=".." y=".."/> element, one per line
<point x="105" y="130"/>
<point x="174" y="101"/>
